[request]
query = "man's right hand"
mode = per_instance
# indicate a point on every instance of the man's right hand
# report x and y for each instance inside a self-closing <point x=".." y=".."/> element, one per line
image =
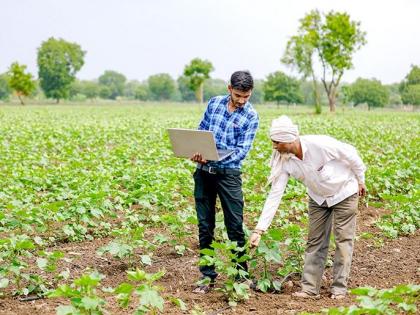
<point x="197" y="157"/>
<point x="255" y="238"/>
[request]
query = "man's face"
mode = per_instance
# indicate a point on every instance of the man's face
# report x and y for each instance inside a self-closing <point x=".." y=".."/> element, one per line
<point x="282" y="147"/>
<point x="239" y="98"/>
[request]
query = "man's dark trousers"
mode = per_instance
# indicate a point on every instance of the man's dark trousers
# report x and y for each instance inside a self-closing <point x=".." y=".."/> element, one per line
<point x="227" y="184"/>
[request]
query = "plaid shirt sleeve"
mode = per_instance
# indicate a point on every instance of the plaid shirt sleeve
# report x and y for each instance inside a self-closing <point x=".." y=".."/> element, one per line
<point x="205" y="122"/>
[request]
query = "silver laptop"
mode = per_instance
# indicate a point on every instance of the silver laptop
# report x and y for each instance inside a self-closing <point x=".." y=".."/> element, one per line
<point x="187" y="142"/>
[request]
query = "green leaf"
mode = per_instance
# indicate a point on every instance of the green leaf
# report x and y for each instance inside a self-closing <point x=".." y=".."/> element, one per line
<point x="178" y="302"/>
<point x="4" y="282"/>
<point x="66" y="310"/>
<point x="42" y="263"/>
<point x="91" y="303"/>
<point x="152" y="298"/>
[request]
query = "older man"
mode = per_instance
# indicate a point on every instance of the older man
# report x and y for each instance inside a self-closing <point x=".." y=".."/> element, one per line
<point x="333" y="172"/>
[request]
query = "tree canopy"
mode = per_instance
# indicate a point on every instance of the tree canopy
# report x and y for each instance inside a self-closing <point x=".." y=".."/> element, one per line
<point x="371" y="92"/>
<point x="20" y="81"/>
<point x="198" y="71"/>
<point x="331" y="39"/>
<point x="410" y="87"/>
<point x="58" y="63"/>
<point x="161" y="86"/>
<point x="281" y="88"/>
<point x="113" y="84"/>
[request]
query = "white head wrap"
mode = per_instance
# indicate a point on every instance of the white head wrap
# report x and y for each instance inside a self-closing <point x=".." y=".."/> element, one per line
<point x="282" y="130"/>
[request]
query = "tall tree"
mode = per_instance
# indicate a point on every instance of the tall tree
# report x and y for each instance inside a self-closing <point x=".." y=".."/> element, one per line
<point x="280" y="87"/>
<point x="371" y="92"/>
<point x="114" y="83"/>
<point x="333" y="39"/>
<point x="58" y="63"/>
<point x="19" y="81"/>
<point x="161" y="86"/>
<point x="198" y="71"/>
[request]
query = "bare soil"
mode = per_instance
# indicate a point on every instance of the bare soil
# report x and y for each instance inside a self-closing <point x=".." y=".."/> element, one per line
<point x="376" y="263"/>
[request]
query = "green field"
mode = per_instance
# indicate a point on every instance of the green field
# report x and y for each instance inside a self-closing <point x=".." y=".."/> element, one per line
<point x="79" y="173"/>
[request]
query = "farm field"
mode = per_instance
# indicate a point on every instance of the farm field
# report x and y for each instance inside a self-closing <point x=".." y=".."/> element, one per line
<point x="94" y="193"/>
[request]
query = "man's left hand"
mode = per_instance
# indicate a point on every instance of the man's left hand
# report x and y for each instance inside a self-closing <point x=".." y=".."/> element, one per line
<point x="362" y="190"/>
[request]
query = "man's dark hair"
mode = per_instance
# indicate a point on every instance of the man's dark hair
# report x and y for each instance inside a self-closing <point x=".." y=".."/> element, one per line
<point x="242" y="81"/>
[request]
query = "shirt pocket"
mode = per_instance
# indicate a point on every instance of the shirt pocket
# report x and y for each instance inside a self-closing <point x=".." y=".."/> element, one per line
<point x="235" y="132"/>
<point x="325" y="172"/>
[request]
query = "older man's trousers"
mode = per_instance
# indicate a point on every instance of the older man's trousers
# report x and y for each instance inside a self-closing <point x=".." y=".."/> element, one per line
<point x="342" y="217"/>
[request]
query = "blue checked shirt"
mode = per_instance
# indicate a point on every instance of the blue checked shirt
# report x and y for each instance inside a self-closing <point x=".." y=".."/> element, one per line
<point x="232" y="131"/>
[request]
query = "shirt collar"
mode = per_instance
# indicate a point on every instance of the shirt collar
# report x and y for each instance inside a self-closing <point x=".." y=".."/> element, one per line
<point x="304" y="150"/>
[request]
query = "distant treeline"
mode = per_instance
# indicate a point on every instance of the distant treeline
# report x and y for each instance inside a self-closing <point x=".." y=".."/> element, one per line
<point x="318" y="42"/>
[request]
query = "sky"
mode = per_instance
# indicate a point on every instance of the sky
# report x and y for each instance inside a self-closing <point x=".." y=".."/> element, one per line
<point x="140" y="38"/>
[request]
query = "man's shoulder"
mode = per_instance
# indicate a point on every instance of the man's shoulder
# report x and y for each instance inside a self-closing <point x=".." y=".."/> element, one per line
<point x="317" y="139"/>
<point x="250" y="111"/>
<point x="219" y="99"/>
<point x="322" y="142"/>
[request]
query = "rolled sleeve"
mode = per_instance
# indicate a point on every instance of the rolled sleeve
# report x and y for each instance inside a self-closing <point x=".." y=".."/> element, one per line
<point x="273" y="201"/>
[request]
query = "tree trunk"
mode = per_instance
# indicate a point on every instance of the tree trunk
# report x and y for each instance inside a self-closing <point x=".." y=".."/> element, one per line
<point x="199" y="93"/>
<point x="57" y="101"/>
<point x="331" y="101"/>
<point x="318" y="108"/>
<point x="20" y="99"/>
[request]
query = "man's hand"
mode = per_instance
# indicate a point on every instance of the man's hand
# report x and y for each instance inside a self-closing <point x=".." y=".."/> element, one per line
<point x="362" y="190"/>
<point x="255" y="238"/>
<point x="197" y="157"/>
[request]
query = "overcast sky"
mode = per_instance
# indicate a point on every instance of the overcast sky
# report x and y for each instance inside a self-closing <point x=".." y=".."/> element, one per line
<point x="139" y="38"/>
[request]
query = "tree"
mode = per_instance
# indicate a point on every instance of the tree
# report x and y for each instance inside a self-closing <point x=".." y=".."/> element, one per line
<point x="257" y="96"/>
<point x="161" y="86"/>
<point x="333" y="39"/>
<point x="213" y="87"/>
<point x="371" y="92"/>
<point x="130" y="88"/>
<point x="187" y="95"/>
<point x="90" y="89"/>
<point x="58" y="63"/>
<point x="411" y="94"/>
<point x="281" y="88"/>
<point x="19" y="81"/>
<point x="413" y="77"/>
<point x="114" y="83"/>
<point x="141" y="92"/>
<point x="198" y="71"/>
<point x="5" y="90"/>
<point x="410" y="87"/>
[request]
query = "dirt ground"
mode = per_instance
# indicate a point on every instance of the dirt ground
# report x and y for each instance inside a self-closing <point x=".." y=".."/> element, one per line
<point x="378" y="265"/>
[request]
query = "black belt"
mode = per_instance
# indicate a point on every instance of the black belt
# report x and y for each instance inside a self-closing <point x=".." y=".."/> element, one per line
<point x="216" y="170"/>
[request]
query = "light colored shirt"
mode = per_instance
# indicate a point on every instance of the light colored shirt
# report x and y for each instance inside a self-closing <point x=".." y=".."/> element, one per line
<point x="331" y="170"/>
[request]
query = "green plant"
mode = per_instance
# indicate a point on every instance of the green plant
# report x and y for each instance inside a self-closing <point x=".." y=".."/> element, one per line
<point x="402" y="298"/>
<point x="224" y="257"/>
<point x="128" y="239"/>
<point x="82" y="294"/>
<point x="149" y="299"/>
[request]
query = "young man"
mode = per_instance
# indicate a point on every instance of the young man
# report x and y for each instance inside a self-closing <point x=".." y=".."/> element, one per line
<point x="334" y="175"/>
<point x="234" y="122"/>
